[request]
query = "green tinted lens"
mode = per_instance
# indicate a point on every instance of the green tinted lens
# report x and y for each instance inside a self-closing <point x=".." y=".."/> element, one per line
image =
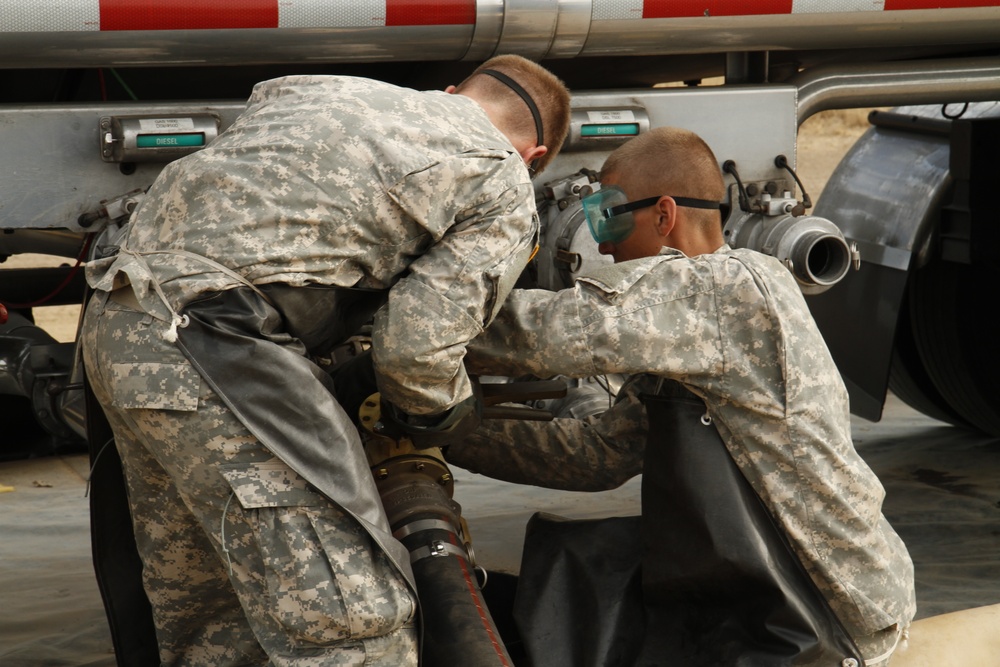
<point x="614" y="229"/>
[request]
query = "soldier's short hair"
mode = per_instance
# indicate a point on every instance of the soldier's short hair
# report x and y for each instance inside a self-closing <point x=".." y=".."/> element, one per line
<point x="547" y="91"/>
<point x="667" y="161"/>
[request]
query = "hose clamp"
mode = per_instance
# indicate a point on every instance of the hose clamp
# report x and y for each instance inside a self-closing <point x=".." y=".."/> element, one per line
<point x="437" y="549"/>
<point x="422" y="525"/>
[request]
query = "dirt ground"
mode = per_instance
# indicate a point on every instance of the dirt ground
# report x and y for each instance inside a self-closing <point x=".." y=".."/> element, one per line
<point x="941" y="491"/>
<point x="823" y="140"/>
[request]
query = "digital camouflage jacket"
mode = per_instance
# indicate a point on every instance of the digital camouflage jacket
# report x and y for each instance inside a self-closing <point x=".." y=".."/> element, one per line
<point x="734" y="328"/>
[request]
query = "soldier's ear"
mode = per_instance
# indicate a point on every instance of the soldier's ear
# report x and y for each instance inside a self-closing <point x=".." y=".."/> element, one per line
<point x="666" y="209"/>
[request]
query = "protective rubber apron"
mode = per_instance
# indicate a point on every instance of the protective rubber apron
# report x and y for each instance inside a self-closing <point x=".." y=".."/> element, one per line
<point x="250" y="345"/>
<point x="703" y="578"/>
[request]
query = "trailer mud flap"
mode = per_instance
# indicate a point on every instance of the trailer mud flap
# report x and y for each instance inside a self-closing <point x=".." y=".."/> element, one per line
<point x="703" y="578"/>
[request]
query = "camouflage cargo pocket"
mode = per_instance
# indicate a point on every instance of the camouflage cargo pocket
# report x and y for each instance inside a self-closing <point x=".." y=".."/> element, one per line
<point x="155" y="386"/>
<point x="326" y="580"/>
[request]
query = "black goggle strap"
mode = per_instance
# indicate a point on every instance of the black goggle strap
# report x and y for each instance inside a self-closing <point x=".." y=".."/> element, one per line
<point x="686" y="202"/>
<point x="516" y="87"/>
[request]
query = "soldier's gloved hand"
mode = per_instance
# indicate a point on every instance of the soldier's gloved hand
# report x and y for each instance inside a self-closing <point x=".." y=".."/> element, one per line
<point x="433" y="430"/>
<point x="354" y="381"/>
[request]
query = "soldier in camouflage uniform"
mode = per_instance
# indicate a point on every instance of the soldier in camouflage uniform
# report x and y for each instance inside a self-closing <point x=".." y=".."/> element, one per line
<point x="732" y="327"/>
<point x="262" y="536"/>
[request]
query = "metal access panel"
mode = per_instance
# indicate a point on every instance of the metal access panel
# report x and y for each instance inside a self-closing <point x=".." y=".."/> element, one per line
<point x="52" y="161"/>
<point x="749" y="125"/>
<point x="56" y="167"/>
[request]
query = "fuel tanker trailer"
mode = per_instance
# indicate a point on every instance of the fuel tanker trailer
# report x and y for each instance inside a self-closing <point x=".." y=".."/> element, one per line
<point x="895" y="257"/>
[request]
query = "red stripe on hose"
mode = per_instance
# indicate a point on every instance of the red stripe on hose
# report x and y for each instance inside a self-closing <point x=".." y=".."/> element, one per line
<point x="483" y="614"/>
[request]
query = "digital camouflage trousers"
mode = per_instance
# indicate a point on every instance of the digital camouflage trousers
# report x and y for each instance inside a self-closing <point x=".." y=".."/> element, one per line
<point x="244" y="562"/>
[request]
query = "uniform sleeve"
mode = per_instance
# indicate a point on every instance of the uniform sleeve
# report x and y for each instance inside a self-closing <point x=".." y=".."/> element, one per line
<point x="453" y="291"/>
<point x="597" y="453"/>
<point x="538" y="332"/>
<point x="632" y="318"/>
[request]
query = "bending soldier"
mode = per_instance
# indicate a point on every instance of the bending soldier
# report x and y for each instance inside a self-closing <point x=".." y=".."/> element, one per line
<point x="261" y="535"/>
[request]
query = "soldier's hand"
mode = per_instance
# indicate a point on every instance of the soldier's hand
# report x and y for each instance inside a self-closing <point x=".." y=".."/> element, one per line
<point x="433" y="430"/>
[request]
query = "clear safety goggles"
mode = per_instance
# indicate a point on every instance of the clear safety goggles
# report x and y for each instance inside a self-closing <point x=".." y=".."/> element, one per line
<point x="609" y="212"/>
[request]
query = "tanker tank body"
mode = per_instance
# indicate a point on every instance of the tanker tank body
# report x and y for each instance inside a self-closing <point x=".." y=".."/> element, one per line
<point x="82" y="79"/>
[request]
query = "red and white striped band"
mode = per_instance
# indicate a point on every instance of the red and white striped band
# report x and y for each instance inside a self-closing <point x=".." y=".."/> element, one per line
<point x="93" y="15"/>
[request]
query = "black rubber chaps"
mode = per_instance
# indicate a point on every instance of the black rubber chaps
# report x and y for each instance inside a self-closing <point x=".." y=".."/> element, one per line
<point x="703" y="578"/>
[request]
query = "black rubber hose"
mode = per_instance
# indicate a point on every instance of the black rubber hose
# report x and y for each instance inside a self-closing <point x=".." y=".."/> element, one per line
<point x="458" y="629"/>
